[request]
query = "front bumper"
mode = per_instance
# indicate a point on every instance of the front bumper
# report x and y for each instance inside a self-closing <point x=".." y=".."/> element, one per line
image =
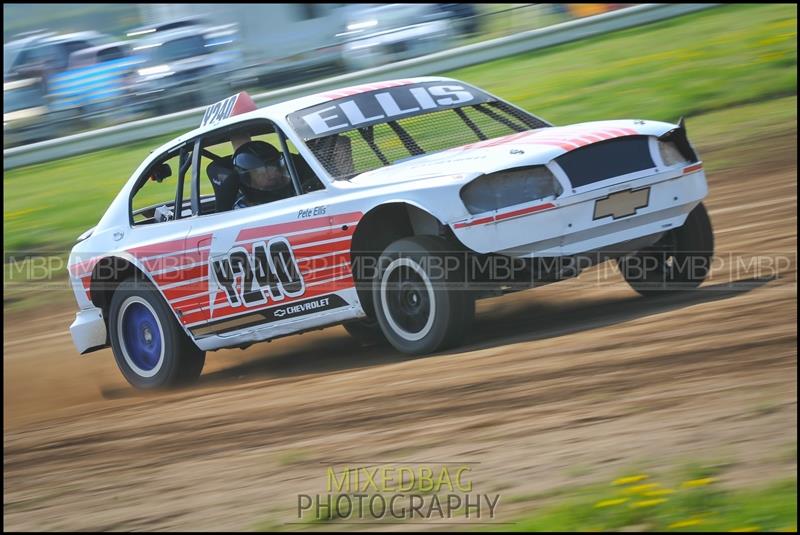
<point x="89" y="330"/>
<point x="567" y="226"/>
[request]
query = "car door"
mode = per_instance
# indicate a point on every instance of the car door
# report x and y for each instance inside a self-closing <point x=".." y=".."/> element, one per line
<point x="156" y="236"/>
<point x="267" y="265"/>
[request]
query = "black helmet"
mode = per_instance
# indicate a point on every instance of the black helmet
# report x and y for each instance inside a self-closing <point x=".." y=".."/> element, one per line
<point x="262" y="172"/>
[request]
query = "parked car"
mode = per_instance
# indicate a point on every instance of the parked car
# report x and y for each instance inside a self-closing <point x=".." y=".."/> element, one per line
<point x="28" y="116"/>
<point x="98" y="81"/>
<point x="177" y="71"/>
<point x="19" y="42"/>
<point x="43" y="56"/>
<point x="377" y="34"/>
<point x="387" y="207"/>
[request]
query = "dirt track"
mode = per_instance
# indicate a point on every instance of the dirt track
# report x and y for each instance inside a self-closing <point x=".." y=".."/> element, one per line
<point x="567" y="384"/>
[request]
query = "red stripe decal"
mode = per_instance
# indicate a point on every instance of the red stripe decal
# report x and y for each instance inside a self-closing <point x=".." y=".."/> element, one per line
<point x="172" y="277"/>
<point x="196" y="302"/>
<point x="83" y="267"/>
<point x="329" y="273"/>
<point x="523" y="211"/>
<point x="269" y="231"/>
<point x="320" y="236"/>
<point x="326" y="261"/>
<point x="480" y="221"/>
<point x="323" y="248"/>
<point x="169" y="246"/>
<point x="186" y="290"/>
<point x="175" y="261"/>
<point x="692" y="168"/>
<point x="506" y="215"/>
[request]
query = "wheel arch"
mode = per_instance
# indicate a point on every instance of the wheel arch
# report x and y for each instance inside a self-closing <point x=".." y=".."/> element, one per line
<point x="381" y="225"/>
<point x="109" y="272"/>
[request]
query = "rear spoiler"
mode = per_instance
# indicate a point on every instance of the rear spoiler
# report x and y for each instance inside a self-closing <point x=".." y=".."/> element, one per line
<point x="681" y="141"/>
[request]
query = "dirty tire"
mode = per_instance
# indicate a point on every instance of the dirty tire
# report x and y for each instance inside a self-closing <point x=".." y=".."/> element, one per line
<point x="420" y="307"/>
<point x="679" y="261"/>
<point x="150" y="348"/>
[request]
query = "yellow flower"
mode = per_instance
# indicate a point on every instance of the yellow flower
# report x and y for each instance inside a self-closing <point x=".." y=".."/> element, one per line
<point x="659" y="492"/>
<point x="648" y="503"/>
<point x="641" y="488"/>
<point x="607" y="503"/>
<point x="698" y="482"/>
<point x="686" y="523"/>
<point x="629" y="479"/>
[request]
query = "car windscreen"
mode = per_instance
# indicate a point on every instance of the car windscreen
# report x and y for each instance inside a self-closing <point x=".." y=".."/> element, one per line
<point x="178" y="49"/>
<point x="373" y="129"/>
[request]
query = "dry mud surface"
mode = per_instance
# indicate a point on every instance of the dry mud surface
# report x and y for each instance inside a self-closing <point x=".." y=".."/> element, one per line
<point x="572" y="383"/>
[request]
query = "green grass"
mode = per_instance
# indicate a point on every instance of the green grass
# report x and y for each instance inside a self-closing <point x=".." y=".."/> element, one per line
<point x="691" y="499"/>
<point x="683" y="66"/>
<point x="697" y="504"/>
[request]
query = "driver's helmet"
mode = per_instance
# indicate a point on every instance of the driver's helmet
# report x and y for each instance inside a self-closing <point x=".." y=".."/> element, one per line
<point x="262" y="172"/>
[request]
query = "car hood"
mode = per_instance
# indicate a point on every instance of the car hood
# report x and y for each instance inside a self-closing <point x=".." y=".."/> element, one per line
<point x="532" y="147"/>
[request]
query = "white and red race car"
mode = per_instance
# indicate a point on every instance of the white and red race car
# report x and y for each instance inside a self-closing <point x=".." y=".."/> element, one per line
<point x="409" y="200"/>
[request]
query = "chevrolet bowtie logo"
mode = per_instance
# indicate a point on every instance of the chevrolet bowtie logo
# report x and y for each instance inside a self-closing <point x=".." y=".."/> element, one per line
<point x="622" y="204"/>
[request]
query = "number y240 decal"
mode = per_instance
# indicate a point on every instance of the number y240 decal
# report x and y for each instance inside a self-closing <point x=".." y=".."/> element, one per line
<point x="268" y="272"/>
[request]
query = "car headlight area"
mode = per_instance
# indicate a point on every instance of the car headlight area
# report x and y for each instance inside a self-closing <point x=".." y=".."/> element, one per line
<point x="498" y="190"/>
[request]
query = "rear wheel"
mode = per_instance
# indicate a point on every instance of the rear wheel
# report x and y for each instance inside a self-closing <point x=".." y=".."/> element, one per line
<point x="150" y="348"/>
<point x="680" y="260"/>
<point x="420" y="304"/>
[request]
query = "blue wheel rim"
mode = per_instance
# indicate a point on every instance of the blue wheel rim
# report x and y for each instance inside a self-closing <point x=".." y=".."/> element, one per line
<point x="142" y="336"/>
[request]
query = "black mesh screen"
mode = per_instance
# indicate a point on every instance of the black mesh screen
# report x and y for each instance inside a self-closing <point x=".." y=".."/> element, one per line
<point x="606" y="159"/>
<point x="360" y="150"/>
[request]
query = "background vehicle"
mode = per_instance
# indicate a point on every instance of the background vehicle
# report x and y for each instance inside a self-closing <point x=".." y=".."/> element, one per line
<point x="28" y="115"/>
<point x="46" y="55"/>
<point x="12" y="48"/>
<point x="377" y="34"/>
<point x="97" y="81"/>
<point x="176" y="66"/>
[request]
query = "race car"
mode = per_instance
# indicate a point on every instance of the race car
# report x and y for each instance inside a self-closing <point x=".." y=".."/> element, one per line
<point x="389" y="207"/>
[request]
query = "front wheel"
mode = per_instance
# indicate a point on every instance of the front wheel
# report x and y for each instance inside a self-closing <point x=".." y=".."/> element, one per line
<point x="680" y="260"/>
<point x="421" y="302"/>
<point x="149" y="346"/>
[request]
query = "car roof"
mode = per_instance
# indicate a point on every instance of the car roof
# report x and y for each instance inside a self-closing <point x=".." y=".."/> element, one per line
<point x="76" y="36"/>
<point x="26" y="38"/>
<point x="282" y="109"/>
<point x="98" y="48"/>
<point x="195" y="20"/>
<point x="169" y="35"/>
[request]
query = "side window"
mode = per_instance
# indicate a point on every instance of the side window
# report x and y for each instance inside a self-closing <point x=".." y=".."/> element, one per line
<point x="110" y="54"/>
<point x="259" y="176"/>
<point x="154" y="200"/>
<point x="308" y="11"/>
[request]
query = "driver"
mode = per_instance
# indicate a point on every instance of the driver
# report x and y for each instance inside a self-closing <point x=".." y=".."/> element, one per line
<point x="262" y="174"/>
